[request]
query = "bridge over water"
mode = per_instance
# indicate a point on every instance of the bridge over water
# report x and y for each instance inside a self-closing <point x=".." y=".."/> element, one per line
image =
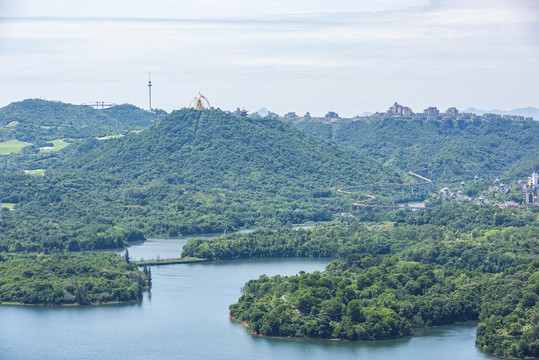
<point x="424" y="186"/>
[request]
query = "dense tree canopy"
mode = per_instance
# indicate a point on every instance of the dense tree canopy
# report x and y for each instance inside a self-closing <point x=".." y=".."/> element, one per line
<point x="69" y="278"/>
<point x="192" y="172"/>
<point x="465" y="237"/>
<point x="367" y="298"/>
<point x="383" y="297"/>
<point x="452" y="264"/>
<point x="209" y="171"/>
<point x="212" y="149"/>
<point x="497" y="145"/>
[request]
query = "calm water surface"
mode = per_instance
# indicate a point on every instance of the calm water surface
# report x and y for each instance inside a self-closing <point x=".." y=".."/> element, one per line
<point x="186" y="317"/>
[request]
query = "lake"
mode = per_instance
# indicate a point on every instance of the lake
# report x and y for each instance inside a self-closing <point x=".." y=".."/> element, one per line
<point x="186" y="317"/>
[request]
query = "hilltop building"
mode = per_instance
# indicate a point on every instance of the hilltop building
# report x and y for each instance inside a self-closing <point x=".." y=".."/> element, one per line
<point x="452" y="112"/>
<point x="240" y="113"/>
<point x="290" y="117"/>
<point x="398" y="110"/>
<point x="517" y="118"/>
<point x="273" y="115"/>
<point x="431" y="112"/>
<point x="332" y="115"/>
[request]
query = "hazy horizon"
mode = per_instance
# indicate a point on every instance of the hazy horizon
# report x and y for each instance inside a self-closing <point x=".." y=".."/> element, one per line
<point x="300" y="56"/>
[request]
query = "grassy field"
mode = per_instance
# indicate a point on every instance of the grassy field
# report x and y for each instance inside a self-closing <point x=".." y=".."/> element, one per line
<point x="12" y="124"/>
<point x="58" y="145"/>
<point x="36" y="172"/>
<point x="10" y="206"/>
<point x="12" y="146"/>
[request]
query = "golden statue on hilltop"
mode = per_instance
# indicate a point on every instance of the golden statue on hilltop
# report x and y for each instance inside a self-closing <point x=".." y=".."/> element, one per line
<point x="200" y="102"/>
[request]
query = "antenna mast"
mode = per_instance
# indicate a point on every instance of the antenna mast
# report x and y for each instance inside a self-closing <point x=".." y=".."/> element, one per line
<point x="150" y="89"/>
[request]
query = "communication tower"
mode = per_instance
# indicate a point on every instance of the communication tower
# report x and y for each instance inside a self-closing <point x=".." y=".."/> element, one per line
<point x="150" y="89"/>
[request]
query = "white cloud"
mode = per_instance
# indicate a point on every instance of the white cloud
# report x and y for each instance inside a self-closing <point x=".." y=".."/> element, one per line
<point x="427" y="55"/>
<point x="298" y="62"/>
<point x="197" y="9"/>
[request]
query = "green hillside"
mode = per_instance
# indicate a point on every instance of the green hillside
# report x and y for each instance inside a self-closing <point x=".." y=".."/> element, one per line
<point x="192" y="172"/>
<point x="39" y="121"/>
<point x="497" y="145"/>
<point x="213" y="149"/>
<point x="130" y="116"/>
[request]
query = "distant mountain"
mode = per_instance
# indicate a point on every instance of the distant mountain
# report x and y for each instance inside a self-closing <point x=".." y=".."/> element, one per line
<point x="214" y="149"/>
<point x="262" y="112"/>
<point x="527" y="111"/>
<point x="36" y="120"/>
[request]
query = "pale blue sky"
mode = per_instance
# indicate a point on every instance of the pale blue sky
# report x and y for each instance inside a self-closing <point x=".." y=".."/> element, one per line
<point x="297" y="55"/>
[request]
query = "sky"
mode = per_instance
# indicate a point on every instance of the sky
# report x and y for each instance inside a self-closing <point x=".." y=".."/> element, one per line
<point x="347" y="56"/>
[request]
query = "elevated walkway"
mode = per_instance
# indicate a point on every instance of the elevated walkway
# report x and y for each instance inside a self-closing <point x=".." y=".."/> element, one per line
<point x="424" y="187"/>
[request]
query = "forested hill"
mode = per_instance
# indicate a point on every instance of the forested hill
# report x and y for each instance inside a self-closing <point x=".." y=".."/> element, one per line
<point x="214" y="149"/>
<point x="35" y="120"/>
<point x="499" y="145"/>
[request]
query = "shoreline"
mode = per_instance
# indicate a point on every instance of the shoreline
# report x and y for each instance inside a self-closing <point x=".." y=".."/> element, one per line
<point x="246" y="325"/>
<point x="12" y="303"/>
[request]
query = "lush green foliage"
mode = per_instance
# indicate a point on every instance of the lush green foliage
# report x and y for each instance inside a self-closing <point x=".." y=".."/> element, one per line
<point x="39" y="122"/>
<point x="498" y="145"/>
<point x="74" y="212"/>
<point x="192" y="172"/>
<point x="208" y="171"/>
<point x="368" y="298"/>
<point x="421" y="269"/>
<point x="382" y="297"/>
<point x="69" y="278"/>
<point x="510" y="313"/>
<point x="131" y="117"/>
<point x="466" y="237"/>
<point x="213" y="149"/>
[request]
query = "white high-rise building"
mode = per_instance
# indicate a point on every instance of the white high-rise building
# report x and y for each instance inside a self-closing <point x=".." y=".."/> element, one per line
<point x="534" y="178"/>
